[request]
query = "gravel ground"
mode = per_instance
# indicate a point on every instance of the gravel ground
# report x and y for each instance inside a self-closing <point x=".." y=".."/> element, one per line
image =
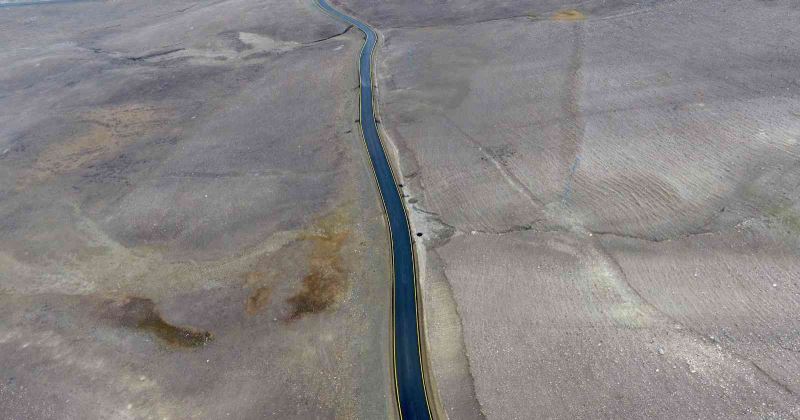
<point x="609" y="198"/>
<point x="189" y="227"/>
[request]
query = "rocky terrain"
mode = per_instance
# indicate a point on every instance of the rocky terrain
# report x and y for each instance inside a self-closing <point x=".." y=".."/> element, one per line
<point x="609" y="193"/>
<point x="189" y="227"/>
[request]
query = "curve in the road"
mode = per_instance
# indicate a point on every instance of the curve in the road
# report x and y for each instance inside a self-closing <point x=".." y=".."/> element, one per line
<point x="409" y="378"/>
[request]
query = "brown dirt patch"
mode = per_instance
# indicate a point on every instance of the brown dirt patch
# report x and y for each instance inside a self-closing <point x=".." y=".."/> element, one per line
<point x="568" y="15"/>
<point x="327" y="278"/>
<point x="258" y="300"/>
<point x="141" y="314"/>
<point x="109" y="130"/>
<point x="252" y="278"/>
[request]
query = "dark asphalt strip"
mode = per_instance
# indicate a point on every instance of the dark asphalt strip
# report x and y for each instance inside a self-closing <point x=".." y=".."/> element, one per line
<point x="411" y="397"/>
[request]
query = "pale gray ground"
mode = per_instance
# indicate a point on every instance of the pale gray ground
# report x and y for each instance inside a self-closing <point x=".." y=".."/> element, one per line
<point x="611" y="202"/>
<point x="189" y="227"/>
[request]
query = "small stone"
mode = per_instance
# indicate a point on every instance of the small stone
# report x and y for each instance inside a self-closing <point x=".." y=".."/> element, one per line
<point x="660" y="351"/>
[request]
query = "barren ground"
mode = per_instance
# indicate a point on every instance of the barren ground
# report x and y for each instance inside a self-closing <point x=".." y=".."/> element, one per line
<point x="189" y="227"/>
<point x="609" y="194"/>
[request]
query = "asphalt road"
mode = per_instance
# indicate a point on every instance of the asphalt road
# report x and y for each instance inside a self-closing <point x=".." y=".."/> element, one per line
<point x="411" y="397"/>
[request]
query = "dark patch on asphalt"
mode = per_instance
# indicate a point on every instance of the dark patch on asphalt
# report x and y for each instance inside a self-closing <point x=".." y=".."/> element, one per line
<point x="141" y="314"/>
